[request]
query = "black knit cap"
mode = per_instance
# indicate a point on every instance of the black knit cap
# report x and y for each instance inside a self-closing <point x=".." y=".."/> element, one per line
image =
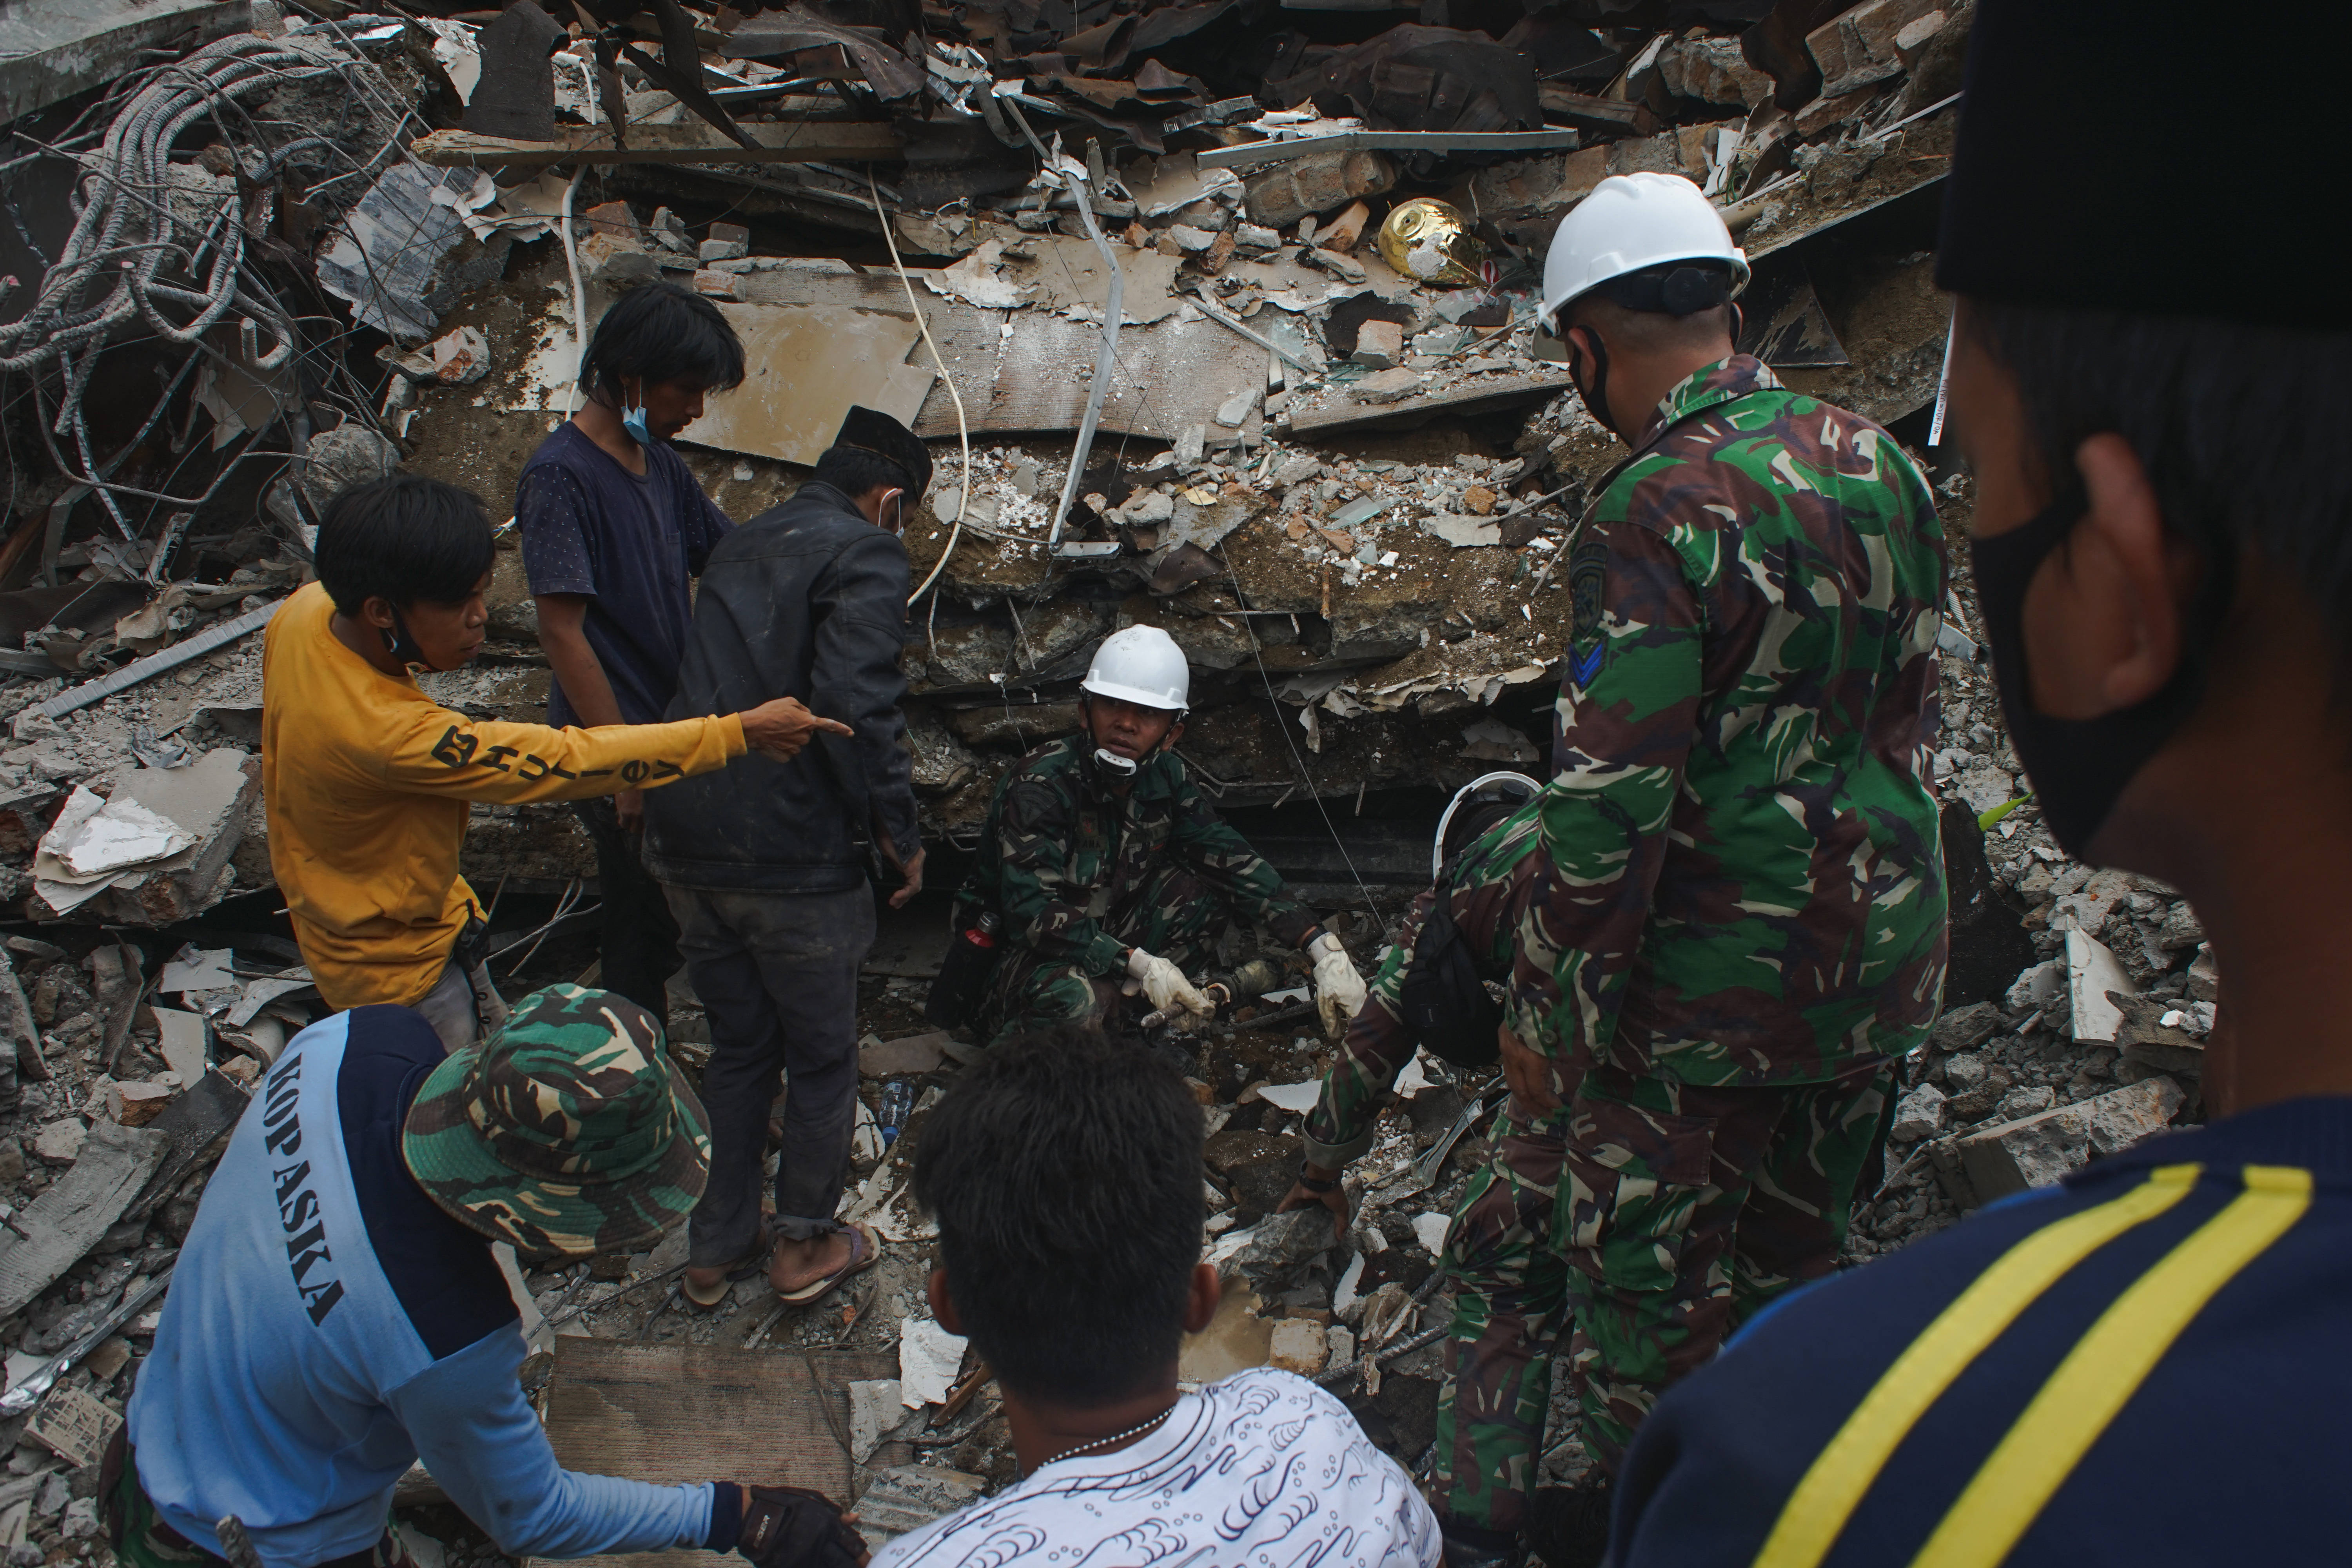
<point x="2148" y="157"/>
<point x="871" y="430"/>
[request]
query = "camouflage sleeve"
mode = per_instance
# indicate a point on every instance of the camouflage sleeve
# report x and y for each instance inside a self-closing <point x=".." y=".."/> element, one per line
<point x="1224" y="860"/>
<point x="1031" y="881"/>
<point x="1629" y="707"/>
<point x="1375" y="1049"/>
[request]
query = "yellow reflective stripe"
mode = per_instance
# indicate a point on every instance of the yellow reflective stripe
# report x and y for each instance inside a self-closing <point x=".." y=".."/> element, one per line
<point x="1845" y="1469"/>
<point x="2106" y="1367"/>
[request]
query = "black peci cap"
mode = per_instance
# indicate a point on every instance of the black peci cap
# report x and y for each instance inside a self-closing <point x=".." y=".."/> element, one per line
<point x="870" y="430"/>
<point x="2143" y="156"/>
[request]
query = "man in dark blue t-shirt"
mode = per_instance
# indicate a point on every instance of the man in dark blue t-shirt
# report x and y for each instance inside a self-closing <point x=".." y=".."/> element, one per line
<point x="614" y="526"/>
<point x="2152" y="411"/>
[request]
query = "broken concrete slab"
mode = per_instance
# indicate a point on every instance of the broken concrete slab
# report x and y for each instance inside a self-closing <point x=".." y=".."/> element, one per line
<point x="1464" y="532"/>
<point x="2035" y="1151"/>
<point x="68" y="1219"/>
<point x="1918" y="1114"/>
<point x="2092" y="971"/>
<point x="52" y="49"/>
<point x="210" y="800"/>
<point x="1477" y="396"/>
<point x="1966" y="1028"/>
<point x="1258" y="1166"/>
<point x="906" y="1057"/>
<point x="804" y="369"/>
<point x="1271" y="1254"/>
<point x="1858" y="48"/>
<point x="61" y="1142"/>
<point x="1297" y="1345"/>
<point x="875" y="1407"/>
<point x="1386" y="386"/>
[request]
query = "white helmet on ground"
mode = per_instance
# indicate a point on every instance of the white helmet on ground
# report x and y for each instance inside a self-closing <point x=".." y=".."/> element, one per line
<point x="1635" y="223"/>
<point x="1140" y="665"/>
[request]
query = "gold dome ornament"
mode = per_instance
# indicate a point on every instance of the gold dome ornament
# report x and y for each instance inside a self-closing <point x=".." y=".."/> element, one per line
<point x="1427" y="240"/>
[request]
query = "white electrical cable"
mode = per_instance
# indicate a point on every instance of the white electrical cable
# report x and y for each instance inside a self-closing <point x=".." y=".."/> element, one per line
<point x="579" y="295"/>
<point x="963" y="431"/>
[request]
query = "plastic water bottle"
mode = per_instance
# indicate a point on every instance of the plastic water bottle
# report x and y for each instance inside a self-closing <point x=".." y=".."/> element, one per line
<point x="897" y="1104"/>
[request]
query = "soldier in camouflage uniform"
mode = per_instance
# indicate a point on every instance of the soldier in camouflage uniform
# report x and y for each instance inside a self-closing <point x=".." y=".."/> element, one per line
<point x="1511" y="1286"/>
<point x="1110" y="871"/>
<point x="1745" y="919"/>
<point x="1744" y="911"/>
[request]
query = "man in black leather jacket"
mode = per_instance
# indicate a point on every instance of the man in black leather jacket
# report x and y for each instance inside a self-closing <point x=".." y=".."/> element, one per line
<point x="767" y="872"/>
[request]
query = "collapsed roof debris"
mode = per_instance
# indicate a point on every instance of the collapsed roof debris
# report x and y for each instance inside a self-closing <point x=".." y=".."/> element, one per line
<point x="1338" y="464"/>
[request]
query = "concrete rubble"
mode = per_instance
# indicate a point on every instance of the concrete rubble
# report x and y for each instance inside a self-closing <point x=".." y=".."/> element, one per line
<point x="1346" y="492"/>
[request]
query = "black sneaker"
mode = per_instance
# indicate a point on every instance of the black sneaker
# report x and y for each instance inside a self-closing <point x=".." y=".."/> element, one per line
<point x="1567" y="1527"/>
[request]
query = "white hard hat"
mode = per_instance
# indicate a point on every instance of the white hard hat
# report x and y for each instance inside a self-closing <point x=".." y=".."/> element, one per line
<point x="1506" y="787"/>
<point x="1140" y="665"/>
<point x="1629" y="224"/>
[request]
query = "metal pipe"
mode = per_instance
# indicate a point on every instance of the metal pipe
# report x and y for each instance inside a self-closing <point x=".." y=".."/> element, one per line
<point x="1106" y="360"/>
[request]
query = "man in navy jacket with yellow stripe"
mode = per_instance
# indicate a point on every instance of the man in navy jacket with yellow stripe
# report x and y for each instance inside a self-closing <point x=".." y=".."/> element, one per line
<point x="2147" y="1364"/>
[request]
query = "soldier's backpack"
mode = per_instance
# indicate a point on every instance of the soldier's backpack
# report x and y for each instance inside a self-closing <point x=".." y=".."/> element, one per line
<point x="1446" y="1008"/>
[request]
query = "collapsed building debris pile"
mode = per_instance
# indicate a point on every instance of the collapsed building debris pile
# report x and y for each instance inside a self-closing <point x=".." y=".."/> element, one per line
<point x="1327" y="449"/>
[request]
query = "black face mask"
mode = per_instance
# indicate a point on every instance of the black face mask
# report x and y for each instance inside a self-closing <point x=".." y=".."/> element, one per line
<point x="403" y="647"/>
<point x="2079" y="767"/>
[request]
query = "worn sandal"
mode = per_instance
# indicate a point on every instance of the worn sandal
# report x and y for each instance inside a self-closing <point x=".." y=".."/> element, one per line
<point x="754" y="1259"/>
<point x="864" y="1251"/>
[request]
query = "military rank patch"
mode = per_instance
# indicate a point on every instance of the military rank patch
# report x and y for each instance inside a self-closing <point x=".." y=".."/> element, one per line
<point x="1587" y="579"/>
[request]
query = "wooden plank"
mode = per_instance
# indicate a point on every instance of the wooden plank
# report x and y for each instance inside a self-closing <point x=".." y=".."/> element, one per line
<point x="1557" y="99"/>
<point x="1471" y="397"/>
<point x="68" y="1219"/>
<point x="1250" y="154"/>
<point x="675" y="1412"/>
<point x="795" y="141"/>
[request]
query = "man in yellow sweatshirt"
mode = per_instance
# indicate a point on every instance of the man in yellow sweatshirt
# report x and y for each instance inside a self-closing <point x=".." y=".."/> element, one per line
<point x="367" y="781"/>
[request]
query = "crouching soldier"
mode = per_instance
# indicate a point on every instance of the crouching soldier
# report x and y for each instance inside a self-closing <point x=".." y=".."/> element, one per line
<point x="1511" y="1299"/>
<point x="1109" y="874"/>
<point x="338" y="1313"/>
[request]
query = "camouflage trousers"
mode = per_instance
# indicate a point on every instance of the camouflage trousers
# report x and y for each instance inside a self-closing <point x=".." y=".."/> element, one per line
<point x="1171" y="913"/>
<point x="1649" y="1219"/>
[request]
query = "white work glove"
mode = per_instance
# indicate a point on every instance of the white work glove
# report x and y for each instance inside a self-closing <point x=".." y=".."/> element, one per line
<point x="1165" y="984"/>
<point x="1339" y="989"/>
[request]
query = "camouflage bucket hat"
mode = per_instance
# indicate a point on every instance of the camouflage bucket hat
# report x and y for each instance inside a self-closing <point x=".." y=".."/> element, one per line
<point x="567" y="1132"/>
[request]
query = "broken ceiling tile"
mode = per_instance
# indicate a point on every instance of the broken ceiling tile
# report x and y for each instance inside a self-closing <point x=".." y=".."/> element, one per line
<point x="975" y="281"/>
<point x="928" y="1358"/>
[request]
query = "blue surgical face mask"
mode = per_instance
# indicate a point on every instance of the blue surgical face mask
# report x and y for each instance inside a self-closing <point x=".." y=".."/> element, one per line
<point x="633" y="420"/>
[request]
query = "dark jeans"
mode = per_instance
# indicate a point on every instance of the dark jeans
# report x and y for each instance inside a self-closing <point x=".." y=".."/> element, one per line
<point x="640" y="937"/>
<point x="777" y="973"/>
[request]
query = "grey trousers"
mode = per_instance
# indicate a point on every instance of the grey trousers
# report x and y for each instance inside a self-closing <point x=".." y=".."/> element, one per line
<point x="462" y="1007"/>
<point x="777" y="973"/>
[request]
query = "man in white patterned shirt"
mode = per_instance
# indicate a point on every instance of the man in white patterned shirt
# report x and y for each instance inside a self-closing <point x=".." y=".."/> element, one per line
<point x="1065" y="1176"/>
